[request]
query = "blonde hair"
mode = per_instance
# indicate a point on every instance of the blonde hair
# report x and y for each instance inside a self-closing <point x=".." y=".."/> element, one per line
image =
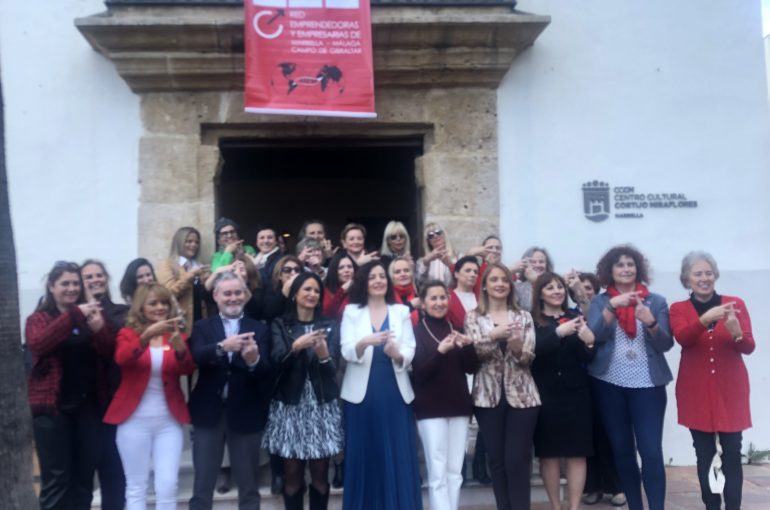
<point x="394" y="227"/>
<point x="136" y="319"/>
<point x="426" y="244"/>
<point x="510" y="301"/>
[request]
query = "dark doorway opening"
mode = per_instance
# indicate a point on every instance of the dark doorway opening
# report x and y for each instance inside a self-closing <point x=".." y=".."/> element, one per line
<point x="288" y="181"/>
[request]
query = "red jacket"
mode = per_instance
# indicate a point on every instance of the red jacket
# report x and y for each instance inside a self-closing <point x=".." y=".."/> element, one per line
<point x="135" y="363"/>
<point x="456" y="313"/>
<point x="335" y="303"/>
<point x="712" y="388"/>
<point x="45" y="334"/>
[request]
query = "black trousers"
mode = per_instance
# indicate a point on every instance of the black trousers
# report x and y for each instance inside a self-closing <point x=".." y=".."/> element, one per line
<point x="112" y="480"/>
<point x="705" y="448"/>
<point x="508" y="433"/>
<point x="601" y="474"/>
<point x="69" y="447"/>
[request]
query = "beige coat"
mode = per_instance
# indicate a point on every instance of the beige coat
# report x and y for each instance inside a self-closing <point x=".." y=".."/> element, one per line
<point x="500" y="369"/>
<point x="174" y="277"/>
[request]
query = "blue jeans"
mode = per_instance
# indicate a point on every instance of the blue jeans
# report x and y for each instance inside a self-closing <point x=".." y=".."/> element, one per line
<point x="633" y="419"/>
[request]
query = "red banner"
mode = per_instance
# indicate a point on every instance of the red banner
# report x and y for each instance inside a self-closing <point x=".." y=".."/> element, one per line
<point x="309" y="57"/>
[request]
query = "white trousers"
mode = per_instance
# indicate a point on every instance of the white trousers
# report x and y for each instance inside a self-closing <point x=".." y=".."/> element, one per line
<point x="443" y="440"/>
<point x="143" y="441"/>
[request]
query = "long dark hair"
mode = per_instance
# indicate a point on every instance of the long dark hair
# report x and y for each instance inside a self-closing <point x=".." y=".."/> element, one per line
<point x="128" y="282"/>
<point x="332" y="280"/>
<point x="291" y="312"/>
<point x="48" y="304"/>
<point x="537" y="302"/>
<point x="359" y="291"/>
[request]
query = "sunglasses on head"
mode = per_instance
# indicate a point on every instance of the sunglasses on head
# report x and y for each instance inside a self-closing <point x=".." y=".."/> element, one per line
<point x="435" y="233"/>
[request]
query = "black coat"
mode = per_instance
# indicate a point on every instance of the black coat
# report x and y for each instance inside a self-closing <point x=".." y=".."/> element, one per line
<point x="248" y="390"/>
<point x="293" y="368"/>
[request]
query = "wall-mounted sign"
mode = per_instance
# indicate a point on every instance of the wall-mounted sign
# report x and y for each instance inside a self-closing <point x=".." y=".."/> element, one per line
<point x="599" y="198"/>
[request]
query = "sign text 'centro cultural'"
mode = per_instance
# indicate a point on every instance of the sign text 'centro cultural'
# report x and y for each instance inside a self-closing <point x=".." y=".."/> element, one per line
<point x="599" y="197"/>
<point x="309" y="57"/>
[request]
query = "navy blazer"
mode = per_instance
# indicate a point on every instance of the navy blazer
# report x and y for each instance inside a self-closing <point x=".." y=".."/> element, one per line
<point x="248" y="389"/>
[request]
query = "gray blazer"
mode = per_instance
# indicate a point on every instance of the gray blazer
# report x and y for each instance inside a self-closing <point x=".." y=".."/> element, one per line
<point x="655" y="344"/>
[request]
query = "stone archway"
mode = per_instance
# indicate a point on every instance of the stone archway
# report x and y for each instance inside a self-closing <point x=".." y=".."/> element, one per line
<point x="437" y="68"/>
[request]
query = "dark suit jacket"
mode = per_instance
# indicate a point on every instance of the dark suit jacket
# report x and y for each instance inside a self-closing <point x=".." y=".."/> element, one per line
<point x="248" y="390"/>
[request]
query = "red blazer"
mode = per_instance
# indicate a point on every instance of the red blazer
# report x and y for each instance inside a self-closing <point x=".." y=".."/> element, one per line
<point x="456" y="313"/>
<point x="335" y="303"/>
<point x="712" y="388"/>
<point x="135" y="363"/>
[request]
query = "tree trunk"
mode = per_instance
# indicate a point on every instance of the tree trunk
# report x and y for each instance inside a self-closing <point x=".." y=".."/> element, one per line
<point x="16" y="489"/>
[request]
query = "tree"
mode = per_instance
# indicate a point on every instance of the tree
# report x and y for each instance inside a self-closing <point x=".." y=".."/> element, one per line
<point x="16" y="489"/>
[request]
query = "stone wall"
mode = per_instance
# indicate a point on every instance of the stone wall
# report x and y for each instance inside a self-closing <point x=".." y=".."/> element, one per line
<point x="179" y="158"/>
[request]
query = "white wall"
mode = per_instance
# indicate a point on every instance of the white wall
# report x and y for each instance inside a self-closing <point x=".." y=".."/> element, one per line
<point x="663" y="96"/>
<point x="72" y="128"/>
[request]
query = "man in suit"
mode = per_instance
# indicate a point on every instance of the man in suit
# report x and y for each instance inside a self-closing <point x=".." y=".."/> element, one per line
<point x="230" y="400"/>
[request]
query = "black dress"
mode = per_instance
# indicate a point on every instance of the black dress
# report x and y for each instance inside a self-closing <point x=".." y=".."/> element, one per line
<point x="564" y="426"/>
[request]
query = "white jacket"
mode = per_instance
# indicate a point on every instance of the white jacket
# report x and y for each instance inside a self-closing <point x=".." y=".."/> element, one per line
<point x="356" y="324"/>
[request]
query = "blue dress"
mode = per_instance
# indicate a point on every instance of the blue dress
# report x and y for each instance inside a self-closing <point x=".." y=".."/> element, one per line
<point x="381" y="471"/>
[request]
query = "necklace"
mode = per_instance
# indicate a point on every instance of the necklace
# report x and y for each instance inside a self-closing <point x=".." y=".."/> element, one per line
<point x="451" y="330"/>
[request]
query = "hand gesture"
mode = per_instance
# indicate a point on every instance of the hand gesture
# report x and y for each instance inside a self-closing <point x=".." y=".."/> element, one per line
<point x="250" y="351"/>
<point x="572" y="278"/>
<point x="584" y="332"/>
<point x="717" y="313"/>
<point x="392" y="347"/>
<point x="235" y="247"/>
<point x="462" y="340"/>
<point x="625" y="299"/>
<point x="159" y="328"/>
<point x="306" y="340"/>
<point x="519" y="265"/>
<point x="731" y="320"/>
<point x="415" y="302"/>
<point x="345" y="286"/>
<point x="94" y="317"/>
<point x="287" y="286"/>
<point x="304" y="254"/>
<point x="477" y="251"/>
<point x="502" y="331"/>
<point x="447" y="344"/>
<point x="328" y="249"/>
<point x="236" y="342"/>
<point x="378" y="338"/>
<point x="321" y="348"/>
<point x="367" y="257"/>
<point x="530" y="274"/>
<point x="516" y="341"/>
<point x="176" y="341"/>
<point x="568" y="328"/>
<point x="644" y="314"/>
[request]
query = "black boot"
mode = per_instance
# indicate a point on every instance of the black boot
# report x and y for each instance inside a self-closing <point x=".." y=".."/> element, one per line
<point x="480" y="463"/>
<point x="276" y="474"/>
<point x="318" y="501"/>
<point x="295" y="501"/>
<point x="339" y="475"/>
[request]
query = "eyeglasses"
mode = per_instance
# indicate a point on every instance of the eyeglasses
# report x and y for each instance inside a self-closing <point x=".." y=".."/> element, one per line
<point x="393" y="237"/>
<point x="290" y="269"/>
<point x="227" y="233"/>
<point x="435" y="233"/>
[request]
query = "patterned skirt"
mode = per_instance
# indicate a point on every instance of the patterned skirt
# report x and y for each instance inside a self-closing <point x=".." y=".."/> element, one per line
<point x="308" y="430"/>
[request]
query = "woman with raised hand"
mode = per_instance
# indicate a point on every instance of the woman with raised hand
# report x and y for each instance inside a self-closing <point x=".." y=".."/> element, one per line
<point x="378" y="344"/>
<point x="442" y="403"/>
<point x="71" y="345"/>
<point x="505" y="397"/>
<point x="183" y="276"/>
<point x="149" y="406"/>
<point x="629" y="372"/>
<point x="305" y="423"/>
<point x="564" y="344"/>
<point x="712" y="387"/>
<point x="439" y="257"/>
<point x="139" y="271"/>
<point x="339" y="278"/>
<point x="229" y="243"/>
<point x="534" y="262"/>
<point x="395" y="243"/>
<point x="353" y="241"/>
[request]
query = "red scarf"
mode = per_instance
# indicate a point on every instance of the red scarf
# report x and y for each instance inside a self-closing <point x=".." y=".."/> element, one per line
<point x="627" y="314"/>
<point x="404" y="294"/>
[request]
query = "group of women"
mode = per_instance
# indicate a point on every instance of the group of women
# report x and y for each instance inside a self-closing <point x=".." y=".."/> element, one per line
<point x="382" y="347"/>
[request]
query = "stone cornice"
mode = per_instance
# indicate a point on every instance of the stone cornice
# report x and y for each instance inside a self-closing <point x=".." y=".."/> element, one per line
<point x="157" y="49"/>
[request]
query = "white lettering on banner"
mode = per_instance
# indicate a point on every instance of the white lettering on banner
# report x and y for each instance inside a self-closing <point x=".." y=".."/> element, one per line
<point x="308" y="4"/>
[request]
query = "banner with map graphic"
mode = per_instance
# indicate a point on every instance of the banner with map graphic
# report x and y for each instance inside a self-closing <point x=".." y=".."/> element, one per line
<point x="309" y="57"/>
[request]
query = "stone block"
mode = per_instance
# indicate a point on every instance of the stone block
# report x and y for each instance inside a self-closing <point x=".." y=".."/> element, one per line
<point x="159" y="221"/>
<point x="465" y="120"/>
<point x="168" y="169"/>
<point x="460" y="185"/>
<point x="179" y="113"/>
<point x="465" y="232"/>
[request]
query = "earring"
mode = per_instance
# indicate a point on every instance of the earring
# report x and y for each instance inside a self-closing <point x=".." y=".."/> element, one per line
<point x="484" y="289"/>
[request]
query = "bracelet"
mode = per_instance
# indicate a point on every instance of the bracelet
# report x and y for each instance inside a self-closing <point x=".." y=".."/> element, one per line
<point x="610" y="308"/>
<point x="325" y="360"/>
<point x="654" y="323"/>
<point x="738" y="338"/>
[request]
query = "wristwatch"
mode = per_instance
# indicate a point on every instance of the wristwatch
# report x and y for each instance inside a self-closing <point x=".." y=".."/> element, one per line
<point x="220" y="349"/>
